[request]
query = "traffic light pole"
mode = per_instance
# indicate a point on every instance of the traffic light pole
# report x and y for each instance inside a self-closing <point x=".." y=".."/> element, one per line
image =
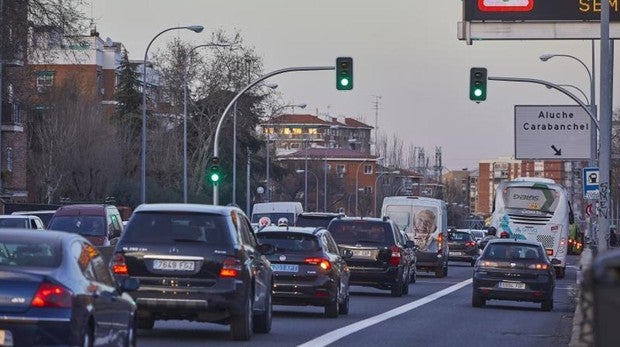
<point x="232" y="102"/>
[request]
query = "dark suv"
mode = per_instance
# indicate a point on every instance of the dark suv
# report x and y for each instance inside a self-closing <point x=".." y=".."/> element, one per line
<point x="316" y="219"/>
<point x="463" y="247"/>
<point x="308" y="268"/>
<point x="382" y="257"/>
<point x="199" y="263"/>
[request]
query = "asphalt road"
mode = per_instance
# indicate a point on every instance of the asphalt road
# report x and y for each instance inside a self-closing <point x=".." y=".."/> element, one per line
<point x="436" y="312"/>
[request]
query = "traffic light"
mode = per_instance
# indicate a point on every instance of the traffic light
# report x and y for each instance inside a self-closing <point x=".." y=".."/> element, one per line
<point x="344" y="73"/>
<point x="214" y="174"/>
<point x="478" y="84"/>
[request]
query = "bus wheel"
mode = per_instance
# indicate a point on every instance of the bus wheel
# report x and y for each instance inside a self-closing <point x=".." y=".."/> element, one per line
<point x="560" y="272"/>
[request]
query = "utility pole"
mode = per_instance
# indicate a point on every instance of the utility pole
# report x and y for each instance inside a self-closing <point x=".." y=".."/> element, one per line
<point x="604" y="131"/>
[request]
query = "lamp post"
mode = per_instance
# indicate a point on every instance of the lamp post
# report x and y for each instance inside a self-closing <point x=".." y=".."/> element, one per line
<point x="357" y="173"/>
<point x="185" y="87"/>
<point x="379" y="174"/>
<point x="306" y="176"/>
<point x="194" y="28"/>
<point x="593" y="142"/>
<point x="268" y="150"/>
<point x="306" y="185"/>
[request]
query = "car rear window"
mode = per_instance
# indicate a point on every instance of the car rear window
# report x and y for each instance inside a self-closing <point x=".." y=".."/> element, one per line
<point x="171" y="227"/>
<point x="313" y="221"/>
<point x="290" y="242"/>
<point x="14" y="223"/>
<point x="83" y="225"/>
<point x="460" y="236"/>
<point x="29" y="254"/>
<point x="508" y="251"/>
<point x="353" y="232"/>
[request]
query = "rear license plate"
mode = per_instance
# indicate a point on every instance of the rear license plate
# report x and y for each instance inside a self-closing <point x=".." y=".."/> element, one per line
<point x="174" y="265"/>
<point x="512" y="285"/>
<point x="455" y="253"/>
<point x="6" y="338"/>
<point x="285" y="267"/>
<point x="361" y="253"/>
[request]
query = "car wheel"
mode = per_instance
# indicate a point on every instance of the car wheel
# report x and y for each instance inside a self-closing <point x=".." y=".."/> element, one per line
<point x="130" y="339"/>
<point x="560" y="272"/>
<point x="343" y="308"/>
<point x="441" y="272"/>
<point x="397" y="289"/>
<point x="473" y="262"/>
<point x="477" y="300"/>
<point x="262" y="321"/>
<point x="414" y="275"/>
<point x="241" y="324"/>
<point x="547" y="305"/>
<point x="89" y="335"/>
<point x="145" y="323"/>
<point x="331" y="309"/>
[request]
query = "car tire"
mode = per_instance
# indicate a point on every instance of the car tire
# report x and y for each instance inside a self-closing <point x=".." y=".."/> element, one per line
<point x="130" y="339"/>
<point x="262" y="321"/>
<point x="241" y="324"/>
<point x="473" y="262"/>
<point x="145" y="323"/>
<point x="343" y="307"/>
<point x="331" y="309"/>
<point x="397" y="289"/>
<point x="441" y="271"/>
<point x="89" y="336"/>
<point x="414" y="276"/>
<point x="477" y="300"/>
<point x="560" y="272"/>
<point x="547" y="305"/>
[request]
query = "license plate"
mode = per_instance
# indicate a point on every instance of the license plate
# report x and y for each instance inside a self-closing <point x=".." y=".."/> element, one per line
<point x="6" y="338"/>
<point x="512" y="285"/>
<point x="174" y="265"/>
<point x="2" y="338"/>
<point x="361" y="253"/>
<point x="455" y="253"/>
<point x="285" y="267"/>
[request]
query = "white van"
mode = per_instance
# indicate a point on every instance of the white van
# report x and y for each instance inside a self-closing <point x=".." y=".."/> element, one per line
<point x="425" y="221"/>
<point x="266" y="213"/>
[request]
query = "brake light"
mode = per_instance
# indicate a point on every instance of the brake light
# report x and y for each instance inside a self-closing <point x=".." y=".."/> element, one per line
<point x="440" y="243"/>
<point x="488" y="264"/>
<point x="118" y="265"/>
<point x="549" y="251"/>
<point x="230" y="268"/>
<point x="52" y="295"/>
<point x="395" y="256"/>
<point x="470" y="243"/>
<point x="504" y="235"/>
<point x="538" y="266"/>
<point x="322" y="263"/>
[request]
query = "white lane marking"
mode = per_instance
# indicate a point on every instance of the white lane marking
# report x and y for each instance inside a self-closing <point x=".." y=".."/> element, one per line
<point x="337" y="334"/>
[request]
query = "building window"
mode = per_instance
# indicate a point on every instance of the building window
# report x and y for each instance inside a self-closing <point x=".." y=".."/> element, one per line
<point x="313" y="131"/>
<point x="340" y="169"/>
<point x="367" y="190"/>
<point x="45" y="79"/>
<point x="9" y="159"/>
<point x="297" y="131"/>
<point x="367" y="169"/>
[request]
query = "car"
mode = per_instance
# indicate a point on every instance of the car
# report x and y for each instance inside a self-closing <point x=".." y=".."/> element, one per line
<point x="21" y="221"/>
<point x="477" y="234"/>
<point x="198" y="263"/>
<point x="517" y="270"/>
<point x="316" y="219"/>
<point x="381" y="257"/>
<point x="463" y="247"/>
<point x="57" y="290"/>
<point x="308" y="268"/>
<point x="101" y="224"/>
<point x="45" y="215"/>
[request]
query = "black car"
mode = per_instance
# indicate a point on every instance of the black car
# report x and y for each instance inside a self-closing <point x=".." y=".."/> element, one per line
<point x="198" y="263"/>
<point x="316" y="219"/>
<point x="56" y="289"/>
<point x="463" y="247"/>
<point x="513" y="270"/>
<point x="380" y="254"/>
<point x="308" y="268"/>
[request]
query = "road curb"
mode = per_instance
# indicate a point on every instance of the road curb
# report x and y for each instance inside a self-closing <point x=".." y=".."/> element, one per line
<point x="582" y="333"/>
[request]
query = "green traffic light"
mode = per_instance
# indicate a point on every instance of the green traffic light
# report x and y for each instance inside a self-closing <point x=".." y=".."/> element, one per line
<point x="344" y="82"/>
<point x="215" y="177"/>
<point x="478" y="92"/>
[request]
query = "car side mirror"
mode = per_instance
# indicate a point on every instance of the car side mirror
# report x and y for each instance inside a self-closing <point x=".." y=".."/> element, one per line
<point x="346" y="254"/>
<point x="266" y="248"/>
<point x="114" y="233"/>
<point x="555" y="261"/>
<point x="129" y="284"/>
<point x="410" y="244"/>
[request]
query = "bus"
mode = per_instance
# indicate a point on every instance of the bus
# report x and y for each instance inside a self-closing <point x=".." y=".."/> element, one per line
<point x="535" y="209"/>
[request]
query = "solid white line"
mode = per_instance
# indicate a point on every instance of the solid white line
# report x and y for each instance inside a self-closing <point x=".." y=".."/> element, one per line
<point x="337" y="334"/>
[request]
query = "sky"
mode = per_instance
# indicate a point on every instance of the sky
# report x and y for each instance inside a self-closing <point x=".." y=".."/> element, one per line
<point x="405" y="51"/>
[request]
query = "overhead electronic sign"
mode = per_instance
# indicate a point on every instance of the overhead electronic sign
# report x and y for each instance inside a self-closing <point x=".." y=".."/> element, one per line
<point x="505" y="5"/>
<point x="538" y="10"/>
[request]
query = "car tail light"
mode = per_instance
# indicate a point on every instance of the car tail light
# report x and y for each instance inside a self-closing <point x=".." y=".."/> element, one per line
<point x="549" y="251"/>
<point x="470" y="243"/>
<point x="52" y="295"/>
<point x="321" y="262"/>
<point x="230" y="268"/>
<point x="440" y="243"/>
<point x="486" y="263"/>
<point x="118" y="265"/>
<point x="541" y="266"/>
<point x="395" y="256"/>
<point x="504" y="235"/>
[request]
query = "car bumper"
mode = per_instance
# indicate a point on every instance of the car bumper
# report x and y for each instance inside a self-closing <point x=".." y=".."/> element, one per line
<point x="536" y="290"/>
<point x="430" y="260"/>
<point x="315" y="293"/>
<point x="463" y="255"/>
<point x="378" y="278"/>
<point x="33" y="331"/>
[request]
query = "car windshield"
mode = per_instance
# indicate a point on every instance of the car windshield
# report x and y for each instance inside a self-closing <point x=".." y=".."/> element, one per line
<point x="290" y="242"/>
<point x="460" y="236"/>
<point x="512" y="251"/>
<point x="477" y="233"/>
<point x="30" y="254"/>
<point x="14" y="223"/>
<point x="83" y="225"/>
<point x="353" y="232"/>
<point x="168" y="227"/>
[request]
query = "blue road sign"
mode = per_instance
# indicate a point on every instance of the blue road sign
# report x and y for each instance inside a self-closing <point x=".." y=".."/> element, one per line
<point x="590" y="183"/>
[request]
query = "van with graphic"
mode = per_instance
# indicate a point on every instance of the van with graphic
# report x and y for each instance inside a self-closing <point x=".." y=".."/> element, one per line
<point x="425" y="221"/>
<point x="267" y="213"/>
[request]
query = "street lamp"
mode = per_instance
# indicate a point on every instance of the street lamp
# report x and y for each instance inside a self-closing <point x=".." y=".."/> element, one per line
<point x="267" y="159"/>
<point x="357" y="173"/>
<point x="306" y="186"/>
<point x="379" y="174"/>
<point x="194" y="28"/>
<point x="593" y="142"/>
<point x="185" y="87"/>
